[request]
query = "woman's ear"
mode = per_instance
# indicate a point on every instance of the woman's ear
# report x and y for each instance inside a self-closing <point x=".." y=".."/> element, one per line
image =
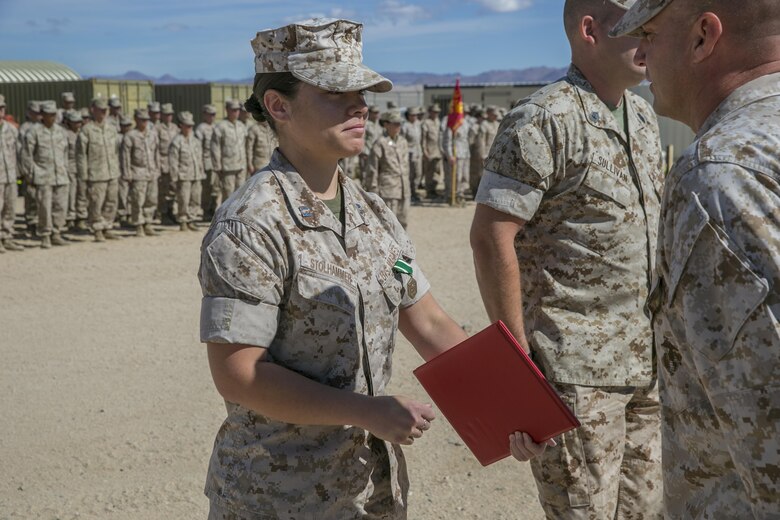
<point x="276" y="105"/>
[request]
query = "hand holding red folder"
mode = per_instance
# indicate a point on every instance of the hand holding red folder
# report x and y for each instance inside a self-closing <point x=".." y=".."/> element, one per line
<point x="488" y="388"/>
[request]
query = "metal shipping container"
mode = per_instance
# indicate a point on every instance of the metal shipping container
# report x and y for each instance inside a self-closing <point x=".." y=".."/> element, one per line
<point x="193" y="96"/>
<point x="133" y="94"/>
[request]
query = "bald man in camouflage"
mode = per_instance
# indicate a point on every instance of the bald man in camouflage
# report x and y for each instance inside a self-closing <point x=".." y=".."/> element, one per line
<point x="715" y="66"/>
<point x="564" y="239"/>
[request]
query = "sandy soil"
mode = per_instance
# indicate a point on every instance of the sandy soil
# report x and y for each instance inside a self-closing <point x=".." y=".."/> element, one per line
<point x="108" y="410"/>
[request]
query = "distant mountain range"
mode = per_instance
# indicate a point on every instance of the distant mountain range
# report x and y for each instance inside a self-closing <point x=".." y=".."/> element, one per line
<point x="533" y="75"/>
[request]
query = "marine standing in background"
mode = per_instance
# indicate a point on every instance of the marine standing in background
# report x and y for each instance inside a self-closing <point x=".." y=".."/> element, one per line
<point x="140" y="159"/>
<point x="457" y="154"/>
<point x="82" y="203"/>
<point x="186" y="166"/>
<point x="9" y="153"/>
<point x="715" y="66"/>
<point x="490" y="129"/>
<point x="210" y="190"/>
<point x="153" y="107"/>
<point x="114" y="113"/>
<point x="260" y="144"/>
<point x="411" y="130"/>
<point x="430" y="137"/>
<point x="123" y="187"/>
<point x="371" y="131"/>
<point x="388" y="168"/>
<point x="72" y="124"/>
<point x="33" y="117"/>
<point x="564" y="239"/>
<point x="45" y="156"/>
<point x="228" y="150"/>
<point x="68" y="101"/>
<point x="166" y="191"/>
<point x="98" y="165"/>
<point x="477" y="149"/>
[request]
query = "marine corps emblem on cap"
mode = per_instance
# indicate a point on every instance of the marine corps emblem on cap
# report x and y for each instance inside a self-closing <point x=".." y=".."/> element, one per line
<point x="639" y="14"/>
<point x="325" y="53"/>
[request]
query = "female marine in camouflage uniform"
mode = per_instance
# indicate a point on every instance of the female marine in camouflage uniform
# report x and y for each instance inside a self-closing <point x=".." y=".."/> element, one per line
<point x="306" y="278"/>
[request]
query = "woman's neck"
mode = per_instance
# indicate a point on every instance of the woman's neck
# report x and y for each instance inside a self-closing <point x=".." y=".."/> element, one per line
<point x="319" y="173"/>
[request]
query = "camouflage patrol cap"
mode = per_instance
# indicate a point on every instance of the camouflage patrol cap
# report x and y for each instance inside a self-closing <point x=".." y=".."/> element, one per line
<point x="640" y="12"/>
<point x="153" y="106"/>
<point x="125" y="121"/>
<point x="68" y="97"/>
<point x="48" y="107"/>
<point x="167" y="108"/>
<point x="141" y="113"/>
<point x="34" y="106"/>
<point x="73" y="116"/>
<point x="326" y="53"/>
<point x="209" y="109"/>
<point x="100" y="103"/>
<point x="185" y="118"/>
<point x="2" y="100"/>
<point x="85" y="113"/>
<point x="373" y="108"/>
<point x="434" y="108"/>
<point x="232" y="104"/>
<point x="114" y="102"/>
<point x="392" y="104"/>
<point x="392" y="116"/>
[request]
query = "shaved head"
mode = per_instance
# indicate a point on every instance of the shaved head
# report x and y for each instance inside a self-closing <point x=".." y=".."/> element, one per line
<point x="575" y="10"/>
<point x="752" y="18"/>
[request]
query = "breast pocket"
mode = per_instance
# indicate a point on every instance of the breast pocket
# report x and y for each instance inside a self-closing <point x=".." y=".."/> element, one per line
<point x="711" y="285"/>
<point x="607" y="187"/>
<point x="322" y="290"/>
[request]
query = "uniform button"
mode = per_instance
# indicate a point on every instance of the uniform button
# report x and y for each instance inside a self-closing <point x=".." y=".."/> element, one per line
<point x="594" y="116"/>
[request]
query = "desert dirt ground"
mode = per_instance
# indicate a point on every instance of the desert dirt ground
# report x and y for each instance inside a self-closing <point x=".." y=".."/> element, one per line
<point x="108" y="409"/>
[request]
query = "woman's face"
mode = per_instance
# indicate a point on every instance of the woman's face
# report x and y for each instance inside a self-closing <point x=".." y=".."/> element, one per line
<point x="331" y="124"/>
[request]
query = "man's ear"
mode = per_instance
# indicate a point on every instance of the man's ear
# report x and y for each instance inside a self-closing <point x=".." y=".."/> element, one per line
<point x="587" y="30"/>
<point x="707" y="31"/>
<point x="276" y="105"/>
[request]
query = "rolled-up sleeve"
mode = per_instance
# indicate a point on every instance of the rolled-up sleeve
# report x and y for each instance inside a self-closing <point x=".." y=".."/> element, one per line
<point x="521" y="165"/>
<point x="242" y="285"/>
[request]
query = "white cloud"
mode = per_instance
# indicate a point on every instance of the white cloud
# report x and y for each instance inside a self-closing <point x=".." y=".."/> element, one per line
<point x="504" y="6"/>
<point x="398" y="12"/>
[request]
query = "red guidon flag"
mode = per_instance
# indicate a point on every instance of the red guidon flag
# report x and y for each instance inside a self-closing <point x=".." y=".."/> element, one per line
<point x="455" y="117"/>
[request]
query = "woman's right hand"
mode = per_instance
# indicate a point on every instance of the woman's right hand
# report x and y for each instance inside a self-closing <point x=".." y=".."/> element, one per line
<point x="398" y="419"/>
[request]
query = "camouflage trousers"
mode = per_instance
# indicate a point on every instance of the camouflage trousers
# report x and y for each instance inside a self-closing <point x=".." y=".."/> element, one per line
<point x="188" y="200"/>
<point x="142" y="199"/>
<point x="52" y="208"/>
<point x="476" y="167"/>
<point x="432" y="172"/>
<point x="610" y="467"/>
<point x="415" y="171"/>
<point x="229" y="181"/>
<point x="7" y="210"/>
<point x="72" y="192"/>
<point x="400" y="207"/>
<point x="102" y="201"/>
<point x="123" y="203"/>
<point x="30" y="204"/>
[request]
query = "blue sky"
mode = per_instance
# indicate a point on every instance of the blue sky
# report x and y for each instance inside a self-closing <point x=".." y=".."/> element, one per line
<point x="210" y="40"/>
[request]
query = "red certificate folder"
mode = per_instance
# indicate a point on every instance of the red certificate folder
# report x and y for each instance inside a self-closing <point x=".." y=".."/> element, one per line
<point x="487" y="387"/>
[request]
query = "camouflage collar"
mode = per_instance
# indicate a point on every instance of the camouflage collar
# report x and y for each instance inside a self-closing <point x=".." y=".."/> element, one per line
<point x="307" y="209"/>
<point x="597" y="112"/>
<point x="756" y="90"/>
